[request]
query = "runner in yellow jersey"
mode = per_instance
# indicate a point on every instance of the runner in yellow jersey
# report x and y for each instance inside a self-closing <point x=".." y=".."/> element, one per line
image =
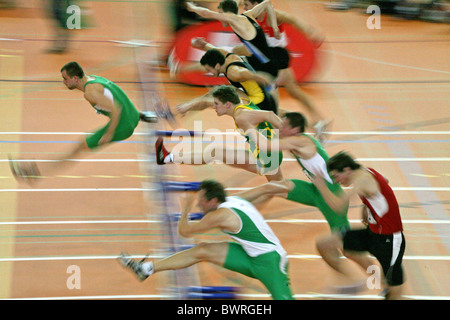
<point x="252" y="86"/>
<point x="257" y="126"/>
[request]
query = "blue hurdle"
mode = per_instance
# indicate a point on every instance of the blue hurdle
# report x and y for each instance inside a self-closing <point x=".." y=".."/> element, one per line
<point x="212" y="289"/>
<point x="212" y="292"/>
<point x="211" y="296"/>
<point x="168" y="133"/>
<point x="180" y="186"/>
<point x="192" y="216"/>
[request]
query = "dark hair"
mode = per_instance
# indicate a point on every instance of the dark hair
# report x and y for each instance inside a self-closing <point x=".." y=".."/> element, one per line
<point x="297" y="119"/>
<point x="229" y="6"/>
<point x="212" y="57"/>
<point x="213" y="189"/>
<point x="73" y="69"/>
<point x="340" y="161"/>
<point x="226" y="94"/>
<point x="255" y="1"/>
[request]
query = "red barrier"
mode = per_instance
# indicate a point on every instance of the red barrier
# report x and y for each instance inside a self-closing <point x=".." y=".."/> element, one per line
<point x="303" y="52"/>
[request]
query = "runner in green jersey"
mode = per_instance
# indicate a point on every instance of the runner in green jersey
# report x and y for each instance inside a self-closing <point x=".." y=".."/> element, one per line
<point x="109" y="100"/>
<point x="255" y="252"/>
<point x="312" y="158"/>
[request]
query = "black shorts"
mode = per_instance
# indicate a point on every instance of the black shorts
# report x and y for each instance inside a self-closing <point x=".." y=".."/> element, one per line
<point x="269" y="67"/>
<point x="269" y="103"/>
<point x="388" y="249"/>
<point x="281" y="57"/>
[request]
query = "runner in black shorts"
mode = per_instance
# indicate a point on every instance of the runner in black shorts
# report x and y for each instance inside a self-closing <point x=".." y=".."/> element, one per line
<point x="251" y="84"/>
<point x="388" y="249"/>
<point x="277" y="47"/>
<point x="247" y="30"/>
<point x="383" y="237"/>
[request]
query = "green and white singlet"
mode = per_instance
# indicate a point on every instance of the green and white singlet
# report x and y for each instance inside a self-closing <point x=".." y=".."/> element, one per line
<point x="257" y="252"/>
<point x="308" y="194"/>
<point x="129" y="116"/>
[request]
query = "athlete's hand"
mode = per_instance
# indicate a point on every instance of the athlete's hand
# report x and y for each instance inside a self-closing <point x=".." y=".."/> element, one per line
<point x="277" y="33"/>
<point x="191" y="7"/>
<point x="182" y="109"/>
<point x="187" y="202"/>
<point x="199" y="43"/>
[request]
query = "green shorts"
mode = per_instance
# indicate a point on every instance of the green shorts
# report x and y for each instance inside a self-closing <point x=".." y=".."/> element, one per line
<point x="308" y="194"/>
<point x="125" y="128"/>
<point x="266" y="268"/>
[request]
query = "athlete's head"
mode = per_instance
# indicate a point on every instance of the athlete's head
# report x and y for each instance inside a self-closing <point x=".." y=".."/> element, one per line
<point x="340" y="166"/>
<point x="212" y="61"/>
<point x="250" y="4"/>
<point x="211" y="195"/>
<point x="72" y="74"/>
<point x="228" y="6"/>
<point x="225" y="98"/>
<point x="293" y="123"/>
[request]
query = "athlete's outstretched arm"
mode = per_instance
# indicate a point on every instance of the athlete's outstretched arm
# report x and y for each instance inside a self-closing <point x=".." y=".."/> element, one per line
<point x="266" y="6"/>
<point x="201" y="44"/>
<point x="208" y="14"/>
<point x="284" y="17"/>
<point x="211" y="220"/>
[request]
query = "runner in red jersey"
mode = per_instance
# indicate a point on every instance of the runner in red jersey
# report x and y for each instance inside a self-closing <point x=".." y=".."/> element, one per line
<point x="383" y="236"/>
<point x="384" y="213"/>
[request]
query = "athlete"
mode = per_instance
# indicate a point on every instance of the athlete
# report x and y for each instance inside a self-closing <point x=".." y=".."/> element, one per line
<point x="256" y="125"/>
<point x="256" y="251"/>
<point x="247" y="30"/>
<point x="278" y="44"/>
<point x="107" y="99"/>
<point x="312" y="158"/>
<point x="383" y="237"/>
<point x="252" y="85"/>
